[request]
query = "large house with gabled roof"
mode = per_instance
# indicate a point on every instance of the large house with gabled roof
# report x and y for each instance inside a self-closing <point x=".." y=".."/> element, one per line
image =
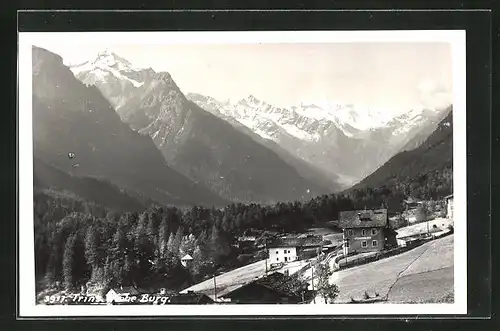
<point x="366" y="230"/>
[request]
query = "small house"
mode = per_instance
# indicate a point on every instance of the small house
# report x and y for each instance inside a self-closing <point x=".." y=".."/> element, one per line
<point x="288" y="249"/>
<point x="246" y="242"/>
<point x="449" y="206"/>
<point x="366" y="230"/>
<point x="190" y="298"/>
<point x="413" y="212"/>
<point x="411" y="203"/>
<point x="275" y="288"/>
<point x="186" y="260"/>
<point x="416" y="215"/>
<point x="121" y="294"/>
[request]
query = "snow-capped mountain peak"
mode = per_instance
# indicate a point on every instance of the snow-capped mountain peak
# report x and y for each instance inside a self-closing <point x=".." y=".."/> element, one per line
<point x="108" y="63"/>
<point x="110" y="59"/>
<point x="113" y="74"/>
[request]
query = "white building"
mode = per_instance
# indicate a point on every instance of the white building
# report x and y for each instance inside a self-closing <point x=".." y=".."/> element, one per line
<point x="289" y="249"/>
<point x="282" y="254"/>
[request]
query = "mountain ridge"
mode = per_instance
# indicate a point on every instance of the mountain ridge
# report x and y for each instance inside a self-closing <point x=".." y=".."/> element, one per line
<point x="69" y="116"/>
<point x="320" y="136"/>
<point x="101" y="192"/>
<point x="207" y="149"/>
<point x="419" y="169"/>
<point x="341" y="143"/>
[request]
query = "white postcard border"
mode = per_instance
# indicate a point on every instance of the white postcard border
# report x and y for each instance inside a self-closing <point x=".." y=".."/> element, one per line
<point x="26" y="272"/>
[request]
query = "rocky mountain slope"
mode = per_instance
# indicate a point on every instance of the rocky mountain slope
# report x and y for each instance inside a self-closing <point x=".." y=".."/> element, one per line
<point x="424" y="131"/>
<point x="341" y="140"/>
<point x="325" y="142"/>
<point x="69" y="117"/>
<point x="428" y="165"/>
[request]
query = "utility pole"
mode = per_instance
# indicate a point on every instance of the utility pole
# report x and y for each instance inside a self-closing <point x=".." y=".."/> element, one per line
<point x="267" y="252"/>
<point x="312" y="283"/>
<point x="215" y="282"/>
<point x="424" y="209"/>
<point x="215" y="289"/>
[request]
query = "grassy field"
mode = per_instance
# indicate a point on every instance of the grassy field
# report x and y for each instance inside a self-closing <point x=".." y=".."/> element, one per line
<point x="233" y="279"/>
<point x="423" y="273"/>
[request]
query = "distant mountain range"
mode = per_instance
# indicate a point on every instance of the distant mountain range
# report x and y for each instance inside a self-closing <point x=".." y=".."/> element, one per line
<point x="247" y="149"/>
<point x="343" y="141"/>
<point x="69" y="117"/>
<point x="198" y="144"/>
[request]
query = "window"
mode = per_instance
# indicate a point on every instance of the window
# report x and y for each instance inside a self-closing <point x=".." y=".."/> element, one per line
<point x="374" y="232"/>
<point x="277" y="252"/>
<point x="277" y="259"/>
<point x="350" y="232"/>
<point x="374" y="243"/>
<point x="364" y="243"/>
<point x="363" y="232"/>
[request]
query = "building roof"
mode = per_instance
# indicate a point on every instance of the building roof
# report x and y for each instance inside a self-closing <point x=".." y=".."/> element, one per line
<point x="363" y="218"/>
<point x="311" y="241"/>
<point x="411" y="200"/>
<point x="126" y="289"/>
<point x="189" y="298"/>
<point x="187" y="257"/>
<point x="247" y="238"/>
<point x="278" y="282"/>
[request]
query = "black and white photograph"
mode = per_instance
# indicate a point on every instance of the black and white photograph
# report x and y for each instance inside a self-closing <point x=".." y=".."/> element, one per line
<point x="247" y="173"/>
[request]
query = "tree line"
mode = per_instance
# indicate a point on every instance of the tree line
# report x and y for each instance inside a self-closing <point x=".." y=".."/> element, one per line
<point x="77" y="241"/>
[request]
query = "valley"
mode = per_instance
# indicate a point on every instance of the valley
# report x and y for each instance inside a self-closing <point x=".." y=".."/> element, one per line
<point x="134" y="178"/>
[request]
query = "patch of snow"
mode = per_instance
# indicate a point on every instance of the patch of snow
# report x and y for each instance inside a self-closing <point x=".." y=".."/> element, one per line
<point x="298" y="133"/>
<point x="263" y="134"/>
<point x="106" y="64"/>
<point x="155" y="134"/>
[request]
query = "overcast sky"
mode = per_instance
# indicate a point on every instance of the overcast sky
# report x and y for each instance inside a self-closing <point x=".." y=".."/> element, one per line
<point x="392" y="77"/>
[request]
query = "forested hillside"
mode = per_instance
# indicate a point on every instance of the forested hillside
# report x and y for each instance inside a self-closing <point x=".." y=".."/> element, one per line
<point x="85" y="188"/>
<point x="78" y="241"/>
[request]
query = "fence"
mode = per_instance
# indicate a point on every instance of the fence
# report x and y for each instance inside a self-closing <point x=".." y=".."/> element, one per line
<point x="380" y="255"/>
<point x="384" y="254"/>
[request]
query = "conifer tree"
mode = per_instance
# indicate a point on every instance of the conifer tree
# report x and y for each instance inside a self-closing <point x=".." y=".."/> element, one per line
<point x="328" y="291"/>
<point x="170" y="244"/>
<point x="163" y="237"/>
<point x="91" y="248"/>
